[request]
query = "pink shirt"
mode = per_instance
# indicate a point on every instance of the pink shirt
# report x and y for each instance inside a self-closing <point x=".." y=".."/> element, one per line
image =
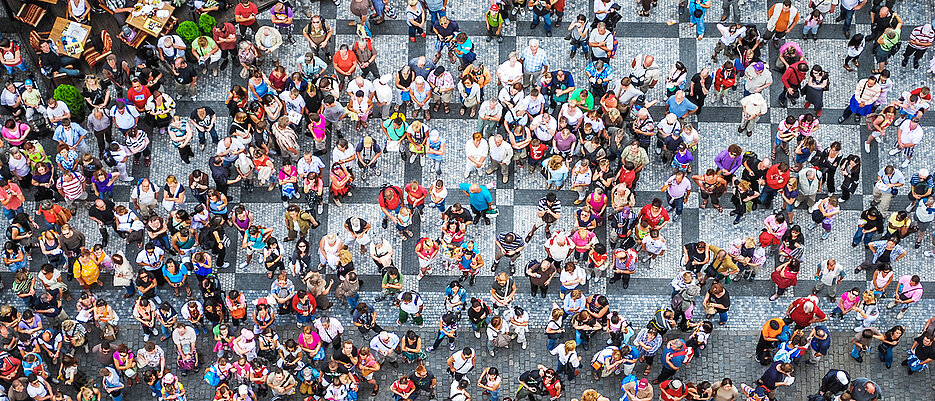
<point x="582" y="244"/>
<point x="907" y="289"/>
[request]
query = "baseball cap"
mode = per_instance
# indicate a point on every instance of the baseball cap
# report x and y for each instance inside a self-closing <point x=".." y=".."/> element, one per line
<point x="758" y="66"/>
<point x="923" y="172"/>
<point x="494" y="7"/>
<point x="28" y="82"/>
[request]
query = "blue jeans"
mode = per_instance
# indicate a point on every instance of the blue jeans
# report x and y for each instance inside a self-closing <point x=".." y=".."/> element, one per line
<point x="435" y="15"/>
<point x="677" y="203"/>
<point x="300" y="318"/>
<point x="767" y="196"/>
<point x="415" y="31"/>
<point x="547" y="18"/>
<point x="562" y="290"/>
<point x="495" y="395"/>
<point x="810" y="30"/>
<point x="130" y="289"/>
<point x="856" y="352"/>
<point x="860" y="236"/>
<point x="699" y="22"/>
<point x="722" y="317"/>
<point x="201" y="136"/>
<point x="353" y="301"/>
<point x="22" y="67"/>
<point x="887" y="355"/>
<point x="848" y="16"/>
<point x="552" y="344"/>
<point x="440" y="206"/>
<point x="582" y="44"/>
<point x="11" y="213"/>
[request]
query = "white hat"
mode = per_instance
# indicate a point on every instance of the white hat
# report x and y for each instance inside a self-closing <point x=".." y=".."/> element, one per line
<point x="842" y="377"/>
<point x="433" y="134"/>
<point x="923" y="172"/>
<point x="243" y="389"/>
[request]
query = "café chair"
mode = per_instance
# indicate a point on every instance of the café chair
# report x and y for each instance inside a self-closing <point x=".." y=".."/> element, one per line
<point x="30" y="14"/>
<point x="34" y="40"/>
<point x="94" y="56"/>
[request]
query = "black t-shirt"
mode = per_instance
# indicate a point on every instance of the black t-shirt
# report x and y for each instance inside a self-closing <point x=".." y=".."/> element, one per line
<point x="532" y="379"/>
<point x="477" y="316"/>
<point x="340" y="357"/>
<point x="923" y="352"/>
<point x="187" y="74"/>
<point x="220" y="173"/>
<point x="51" y="60"/>
<point x="205" y="122"/>
<point x="424" y="383"/>
<point x="329" y="375"/>
<point x="97" y="96"/>
<point x="772" y="376"/>
<point x="723" y="300"/>
<point x="142" y="283"/>
<point x="693" y="254"/>
<point x="106" y="216"/>
<point x="446" y="32"/>
<point x="462" y="216"/>
<point x="752" y="163"/>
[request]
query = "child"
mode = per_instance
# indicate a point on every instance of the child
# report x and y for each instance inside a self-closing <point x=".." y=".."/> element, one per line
<point x="403" y="221"/>
<point x="642" y="229"/>
<point x="683" y="158"/>
<point x="654" y="245"/>
<point x="309" y="384"/>
<point x="619" y="330"/>
<point x="812" y="24"/>
<point x="438" y="194"/>
<point x="447" y="328"/>
<point x="868" y="313"/>
<point x="854" y="48"/>
<point x="597" y="260"/>
<point x="788" y="129"/>
<point x="699" y="337"/>
<point x="808" y="126"/>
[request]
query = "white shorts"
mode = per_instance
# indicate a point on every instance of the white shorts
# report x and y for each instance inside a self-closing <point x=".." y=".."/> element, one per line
<point x="364" y="240"/>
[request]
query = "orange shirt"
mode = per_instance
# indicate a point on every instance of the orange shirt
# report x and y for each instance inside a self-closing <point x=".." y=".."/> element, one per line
<point x="345" y="64"/>
<point x="768" y="332"/>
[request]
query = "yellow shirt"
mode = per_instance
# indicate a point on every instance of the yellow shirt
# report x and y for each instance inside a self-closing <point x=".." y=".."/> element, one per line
<point x="88" y="273"/>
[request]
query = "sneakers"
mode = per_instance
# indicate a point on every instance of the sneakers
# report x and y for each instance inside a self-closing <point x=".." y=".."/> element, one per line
<point x="242" y="265"/>
<point x="226" y="265"/>
<point x="524" y="344"/>
<point x="491" y="353"/>
<point x="893" y="151"/>
<point x="476" y="334"/>
<point x="905" y="164"/>
<point x="928" y="254"/>
<point x="321" y="208"/>
<point x="901" y="314"/>
<point x="909" y="208"/>
<point x="430" y="348"/>
<point x="826" y="235"/>
<point x="892" y="304"/>
<point x="867" y="147"/>
<point x="412" y="157"/>
<point x="451" y="346"/>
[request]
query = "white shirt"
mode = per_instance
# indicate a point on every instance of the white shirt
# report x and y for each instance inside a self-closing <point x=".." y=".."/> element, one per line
<point x="922" y="215"/>
<point x="544" y="131"/>
<point x="510" y="73"/>
<point x="338" y="154"/>
<point x="169" y="51"/>
<point x="850" y="4"/>
<point x="366" y="87"/>
<point x="502" y="153"/>
<point x="125" y="120"/>
<point x="564" y="358"/>
<point x="377" y="345"/>
<point x="235" y="149"/>
<point x="728" y="38"/>
<point x="532" y="105"/>
<point x="910" y="136"/>
<point x="606" y="38"/>
<point x="654" y="246"/>
<point x="410" y="307"/>
<point x="304" y="167"/>
<point x="462" y="364"/>
<point x="578" y="273"/>
<point x="479" y="150"/>
<point x="383" y="92"/>
<point x="505" y="97"/>
<point x="600" y="6"/>
<point x="335" y="328"/>
<point x="58" y="111"/>
<point x="8" y="98"/>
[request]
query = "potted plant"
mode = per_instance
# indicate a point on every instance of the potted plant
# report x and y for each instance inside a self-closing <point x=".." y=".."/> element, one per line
<point x="188" y="31"/>
<point x="206" y="24"/>
<point x="73" y="99"/>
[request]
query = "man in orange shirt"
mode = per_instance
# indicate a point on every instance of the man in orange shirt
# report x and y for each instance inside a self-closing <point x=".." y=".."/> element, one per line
<point x="345" y="64"/>
<point x="768" y="339"/>
<point x="782" y="19"/>
<point x="11" y="196"/>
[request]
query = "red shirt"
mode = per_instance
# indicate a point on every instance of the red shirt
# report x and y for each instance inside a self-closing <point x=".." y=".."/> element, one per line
<point x="626" y="177"/>
<point x="390" y="198"/>
<point x="670" y="394"/>
<point x="139" y="98"/>
<point x="775" y="179"/>
<point x="654" y="221"/>
<point x="13" y="192"/>
<point x="345" y="64"/>
<point x="247" y="11"/>
<point x="799" y="315"/>
<point x="419" y="193"/>
<point x="918" y="91"/>
<point x="228" y="31"/>
<point x="537" y="153"/>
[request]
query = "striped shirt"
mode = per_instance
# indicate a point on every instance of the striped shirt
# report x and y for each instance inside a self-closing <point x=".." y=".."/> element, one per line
<point x="555" y="207"/>
<point x="71" y="189"/>
<point x="865" y="93"/>
<point x="139" y="143"/>
<point x="510" y="246"/>
<point x="923" y="34"/>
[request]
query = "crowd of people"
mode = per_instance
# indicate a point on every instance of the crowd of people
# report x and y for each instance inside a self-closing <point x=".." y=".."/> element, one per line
<point x="593" y="138"/>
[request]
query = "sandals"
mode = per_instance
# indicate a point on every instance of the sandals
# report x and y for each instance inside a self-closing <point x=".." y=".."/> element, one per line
<point x="447" y="110"/>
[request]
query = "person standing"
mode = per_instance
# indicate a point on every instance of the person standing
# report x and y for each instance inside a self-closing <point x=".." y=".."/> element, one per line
<point x="919" y="42"/>
<point x="889" y="179"/>
<point x="782" y="18"/>
<point x="908" y="136"/>
<point x="848" y="9"/>
<point x="754" y="106"/>
<point x="245" y="14"/>
<point x="908" y="291"/>
<point x="677" y="189"/>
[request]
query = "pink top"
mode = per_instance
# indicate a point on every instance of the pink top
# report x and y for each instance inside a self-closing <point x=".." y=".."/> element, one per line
<point x="309" y="341"/>
<point x="807" y="129"/>
<point x="779" y="229"/>
<point x="597" y="202"/>
<point x="906" y="288"/>
<point x="848" y="300"/>
<point x="582" y="244"/>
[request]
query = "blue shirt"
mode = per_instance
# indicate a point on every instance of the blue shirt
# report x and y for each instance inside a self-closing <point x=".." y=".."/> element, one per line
<point x="71" y="136"/>
<point x="679" y="109"/>
<point x="480" y="200"/>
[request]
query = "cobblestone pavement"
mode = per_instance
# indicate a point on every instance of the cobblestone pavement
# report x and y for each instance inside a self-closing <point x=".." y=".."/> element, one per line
<point x="730" y="351"/>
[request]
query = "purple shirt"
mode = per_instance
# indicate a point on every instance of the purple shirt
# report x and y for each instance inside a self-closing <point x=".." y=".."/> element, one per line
<point x="725" y="161"/>
<point x="287" y="13"/>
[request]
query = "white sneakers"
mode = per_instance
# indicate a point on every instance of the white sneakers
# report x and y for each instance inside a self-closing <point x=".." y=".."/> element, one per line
<point x="894" y="151"/>
<point x="867" y="147"/>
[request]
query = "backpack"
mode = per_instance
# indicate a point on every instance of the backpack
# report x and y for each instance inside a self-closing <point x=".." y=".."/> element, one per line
<point x="613" y="50"/>
<point x="109" y="159"/>
<point x="676" y="302"/>
<point x="211" y="377"/>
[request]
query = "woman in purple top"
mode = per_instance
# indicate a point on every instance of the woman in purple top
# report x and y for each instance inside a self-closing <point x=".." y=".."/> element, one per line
<point x="728" y="161"/>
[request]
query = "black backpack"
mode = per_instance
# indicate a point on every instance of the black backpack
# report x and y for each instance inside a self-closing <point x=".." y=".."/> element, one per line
<point x="109" y="159"/>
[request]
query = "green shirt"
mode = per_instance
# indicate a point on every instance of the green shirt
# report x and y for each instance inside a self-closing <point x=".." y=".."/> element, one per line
<point x="203" y="51"/>
<point x="390" y="280"/>
<point x="588" y="103"/>
<point x="394" y="133"/>
<point x="494" y="19"/>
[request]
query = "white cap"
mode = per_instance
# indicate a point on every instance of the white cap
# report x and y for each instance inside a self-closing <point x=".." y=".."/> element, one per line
<point x="243" y="389"/>
<point x="923" y="172"/>
<point x="842" y="377"/>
